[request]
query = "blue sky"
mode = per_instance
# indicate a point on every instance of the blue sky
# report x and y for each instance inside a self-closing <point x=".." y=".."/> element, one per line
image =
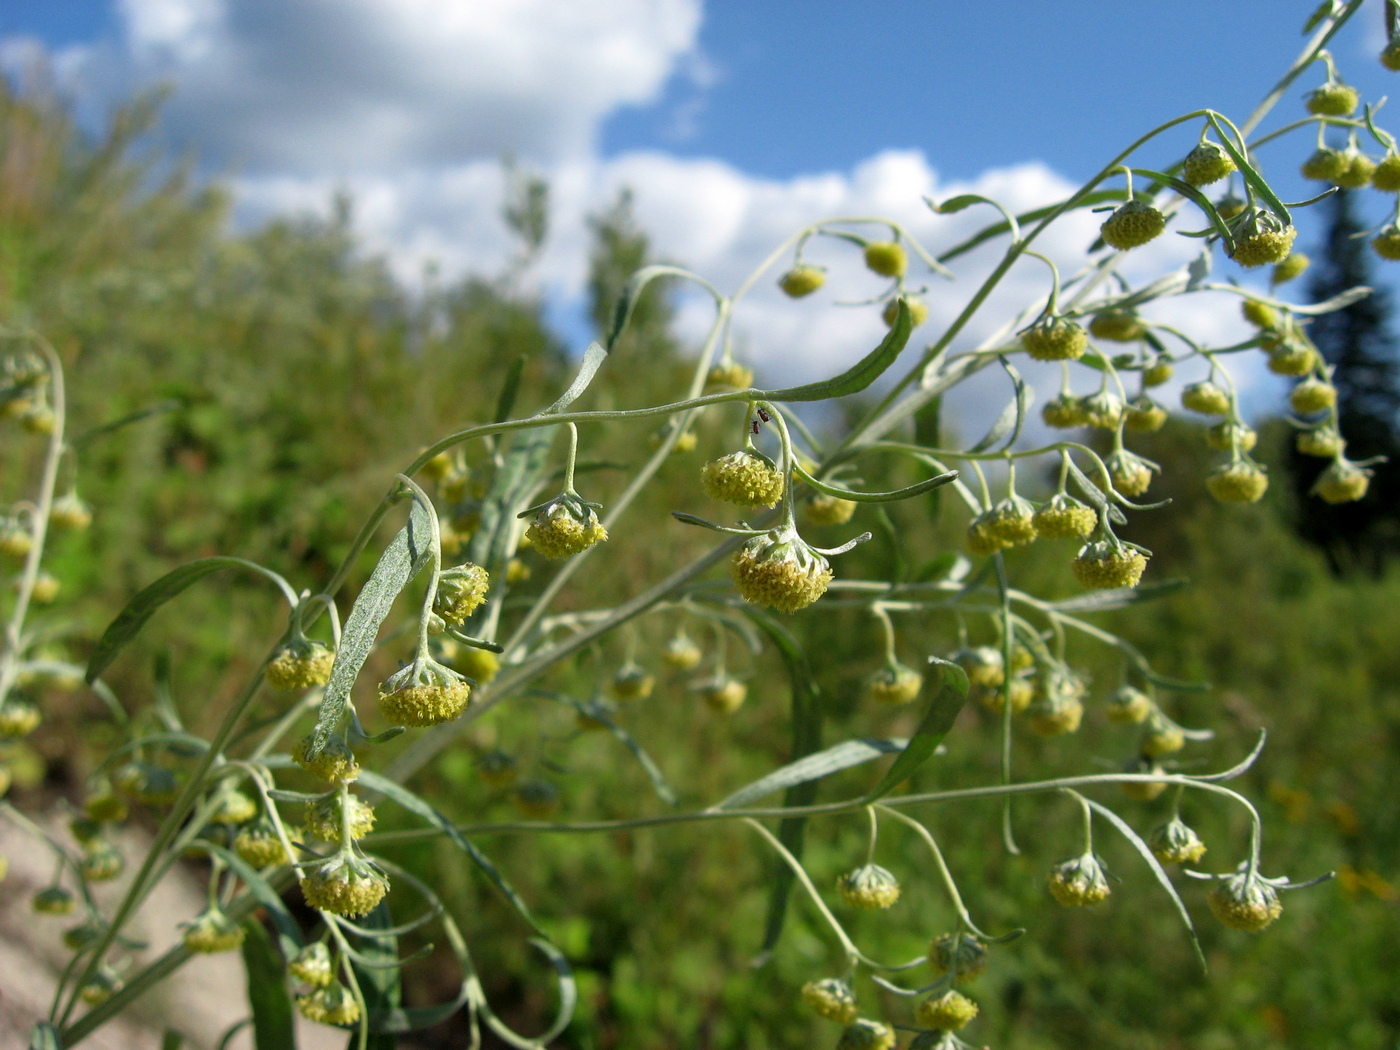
<point x="734" y="121"/>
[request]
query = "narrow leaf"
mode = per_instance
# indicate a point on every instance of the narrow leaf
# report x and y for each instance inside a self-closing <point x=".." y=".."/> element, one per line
<point x="658" y="780"/>
<point x="928" y="485"/>
<point x="1101" y="601"/>
<point x="632" y="294"/>
<point x="1023" y="399"/>
<point x="135" y="417"/>
<point x="845" y="755"/>
<point x="1000" y="428"/>
<point x="509" y="389"/>
<point x="861" y="375"/>
<point x="806" y="738"/>
<point x="938" y="719"/>
<point x="273" y="1024"/>
<point x="411" y="802"/>
<point x="401" y="561"/>
<point x="142" y="607"/>
<point x="44" y="1037"/>
<point x="1157" y="870"/>
<point x="377" y="973"/>
<point x="593" y="359"/>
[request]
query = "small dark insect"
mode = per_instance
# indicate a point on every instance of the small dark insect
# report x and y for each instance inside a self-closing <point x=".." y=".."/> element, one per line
<point x="763" y="415"/>
<point x="754" y="424"/>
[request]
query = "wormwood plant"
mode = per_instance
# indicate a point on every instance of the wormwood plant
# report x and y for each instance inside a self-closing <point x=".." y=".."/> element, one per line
<point x="286" y="806"/>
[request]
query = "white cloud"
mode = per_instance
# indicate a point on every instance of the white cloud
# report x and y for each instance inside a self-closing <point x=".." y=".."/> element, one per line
<point x="356" y="86"/>
<point x="409" y="104"/>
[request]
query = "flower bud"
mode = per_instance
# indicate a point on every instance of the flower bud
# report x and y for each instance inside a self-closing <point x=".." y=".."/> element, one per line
<point x="893" y="684"/>
<point x="18" y="718"/>
<point x="233" y="807"/>
<point x="780" y="570"/>
<point x="722" y="694"/>
<point x="1205" y="164"/>
<point x="1332" y="100"/>
<point x="423" y="694"/>
<point x="1342" y="482"/>
<point x="70" y="512"/>
<point x="961" y="954"/>
<point x="1323" y="441"/>
<point x="1055" y="712"/>
<point x="1160" y="737"/>
<point x="1240" y="481"/>
<point x="323" y="818"/>
<point x="482" y="665"/>
<point x="1390" y="56"/>
<point x="335" y="763"/>
<point x="1103" y="410"/>
<point x="1205" y="397"/>
<point x="1231" y="435"/>
<point x="101" y="862"/>
<point x="993" y="698"/>
<point x="1324" y="164"/>
<point x="1128" y="705"/>
<point x="1011" y="522"/>
<point x="1064" y="412"/>
<point x="1244" y="902"/>
<point x="1131" y="474"/>
<point x="983" y="665"/>
<point x="1079" y="882"/>
<point x="460" y="592"/>
<point x="831" y="998"/>
<point x="918" y="312"/>
<point x="749" y="479"/>
<point x="1229" y="207"/>
<point x="1175" y="843"/>
<point x="211" y="932"/>
<point x="1387" y="243"/>
<point x="1143" y="790"/>
<point x="15" y="540"/>
<point x="53" y="900"/>
<point x="1357" y="174"/>
<point x="1259" y="314"/>
<point x="1294" y="265"/>
<point x="1157" y="372"/>
<point x="1132" y="224"/>
<point x="1064" y="518"/>
<point x="632" y="682"/>
<point x="1144" y="415"/>
<point x="886" y="258"/>
<point x="497" y="769"/>
<point x="300" y="664"/>
<point x="947" y="1012"/>
<point x="332" y="1005"/>
<point x="565" y="526"/>
<point x="731" y="374"/>
<point x="1102" y="564"/>
<point x="100" y="987"/>
<point x="537" y="798"/>
<point x="869" y="886"/>
<point x="681" y="653"/>
<point x="37" y="419"/>
<point x="84" y="935"/>
<point x="1055" y="339"/>
<point x="801" y="280"/>
<point x="258" y="845"/>
<point x="312" y="964"/>
<point x="1262" y="238"/>
<point x="822" y="509"/>
<point x="1312" y="395"/>
<point x="1291" y="357"/>
<point x="864" y="1034"/>
<point x="1117" y="326"/>
<point x="1386" y="177"/>
<point x="344" y="885"/>
<point x="45" y="589"/>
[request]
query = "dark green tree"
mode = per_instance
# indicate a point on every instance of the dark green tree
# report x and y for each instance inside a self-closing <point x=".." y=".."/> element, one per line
<point x="1359" y="344"/>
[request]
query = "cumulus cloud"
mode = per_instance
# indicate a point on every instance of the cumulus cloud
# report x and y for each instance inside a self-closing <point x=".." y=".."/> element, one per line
<point x="357" y="86"/>
<point x="407" y="105"/>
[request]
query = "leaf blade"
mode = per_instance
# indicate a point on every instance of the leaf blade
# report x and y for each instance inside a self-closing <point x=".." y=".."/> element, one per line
<point x="273" y="1025"/>
<point x="858" y="376"/>
<point x="942" y="711"/>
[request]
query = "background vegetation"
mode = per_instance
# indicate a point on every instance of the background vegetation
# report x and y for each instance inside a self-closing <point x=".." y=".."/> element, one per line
<point x="297" y="377"/>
